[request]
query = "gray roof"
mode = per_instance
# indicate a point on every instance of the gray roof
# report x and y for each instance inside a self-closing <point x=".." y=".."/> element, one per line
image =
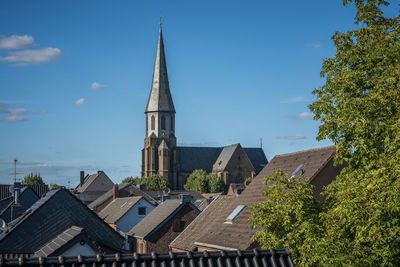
<point x="240" y="258"/>
<point x="118" y="208"/>
<point x="257" y="157"/>
<point x="224" y="157"/>
<point x="125" y="190"/>
<point x="158" y="217"/>
<point x="160" y="98"/>
<point x="59" y="241"/>
<point x="195" y="158"/>
<point x="57" y="211"/>
<point x="26" y="198"/>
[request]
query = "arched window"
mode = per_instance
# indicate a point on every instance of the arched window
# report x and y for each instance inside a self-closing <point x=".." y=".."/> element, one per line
<point x="172" y="124"/>
<point x="153" y="122"/>
<point x="162" y="122"/>
<point x="147" y="125"/>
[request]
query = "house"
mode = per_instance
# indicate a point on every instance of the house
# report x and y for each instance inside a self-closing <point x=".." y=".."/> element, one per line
<point x="92" y="186"/>
<point x="46" y="221"/>
<point x="241" y="258"/>
<point x="124" y="213"/>
<point x="161" y="155"/>
<point x="224" y="224"/>
<point x="123" y="190"/>
<point x="13" y="206"/>
<point x="156" y="231"/>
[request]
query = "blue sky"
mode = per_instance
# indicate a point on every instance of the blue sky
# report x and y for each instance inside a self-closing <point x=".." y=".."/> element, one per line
<point x="75" y="77"/>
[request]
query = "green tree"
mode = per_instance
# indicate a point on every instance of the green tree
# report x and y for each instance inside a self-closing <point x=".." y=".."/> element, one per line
<point x="197" y="181"/>
<point x="32" y="179"/>
<point x="133" y="180"/>
<point x="202" y="182"/>
<point x="215" y="183"/>
<point x="155" y="182"/>
<point x="54" y="186"/>
<point x="358" y="224"/>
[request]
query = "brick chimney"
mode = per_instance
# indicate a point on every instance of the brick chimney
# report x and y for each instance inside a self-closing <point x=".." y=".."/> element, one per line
<point x="82" y="180"/>
<point x="115" y="191"/>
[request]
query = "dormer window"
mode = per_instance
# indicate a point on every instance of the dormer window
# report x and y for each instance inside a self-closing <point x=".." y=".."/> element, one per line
<point x="234" y="213"/>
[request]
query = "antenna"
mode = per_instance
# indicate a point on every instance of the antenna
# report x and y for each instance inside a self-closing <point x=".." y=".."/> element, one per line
<point x="69" y="183"/>
<point x="15" y="171"/>
<point x="261" y="142"/>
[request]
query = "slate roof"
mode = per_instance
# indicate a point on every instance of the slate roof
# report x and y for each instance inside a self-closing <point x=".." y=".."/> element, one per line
<point x="27" y="197"/>
<point x="257" y="157"/>
<point x="59" y="241"/>
<point x="118" y="208"/>
<point x="57" y="211"/>
<point x="158" y="217"/>
<point x="5" y="202"/>
<point x="160" y="96"/>
<point x="194" y="158"/>
<point x="39" y="189"/>
<point x="246" y="258"/>
<point x="238" y="235"/>
<point x="224" y="157"/>
<point x="125" y="190"/>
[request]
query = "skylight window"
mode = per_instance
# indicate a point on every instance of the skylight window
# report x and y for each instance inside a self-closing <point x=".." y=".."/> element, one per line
<point x="198" y="203"/>
<point x="234" y="213"/>
<point x="300" y="168"/>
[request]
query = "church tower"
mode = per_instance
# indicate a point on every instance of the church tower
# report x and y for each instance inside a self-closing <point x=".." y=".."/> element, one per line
<point x="159" y="152"/>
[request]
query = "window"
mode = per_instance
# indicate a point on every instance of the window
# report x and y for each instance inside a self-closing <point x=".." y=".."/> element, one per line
<point x="153" y="122"/>
<point x="142" y="210"/>
<point x="234" y="213"/>
<point x="172" y="124"/>
<point x="162" y="122"/>
<point x="147" y="126"/>
<point x="198" y="203"/>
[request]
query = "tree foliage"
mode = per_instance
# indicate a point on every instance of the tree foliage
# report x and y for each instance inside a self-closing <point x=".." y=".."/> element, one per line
<point x="32" y="179"/>
<point x="202" y="182"/>
<point x="358" y="224"/>
<point x="154" y="182"/>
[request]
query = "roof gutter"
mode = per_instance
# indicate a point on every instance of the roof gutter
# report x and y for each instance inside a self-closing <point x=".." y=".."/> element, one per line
<point x="215" y="246"/>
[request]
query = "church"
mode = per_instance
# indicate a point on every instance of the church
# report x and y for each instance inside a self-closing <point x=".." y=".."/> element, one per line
<point x="161" y="155"/>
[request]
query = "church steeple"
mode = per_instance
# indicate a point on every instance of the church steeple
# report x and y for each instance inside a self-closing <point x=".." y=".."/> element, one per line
<point x="160" y="99"/>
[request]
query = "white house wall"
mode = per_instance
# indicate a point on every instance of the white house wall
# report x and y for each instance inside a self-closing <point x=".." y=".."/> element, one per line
<point x="132" y="217"/>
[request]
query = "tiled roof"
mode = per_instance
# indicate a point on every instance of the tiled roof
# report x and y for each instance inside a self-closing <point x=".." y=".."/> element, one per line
<point x="240" y="258"/>
<point x="118" y="208"/>
<point x="204" y="222"/>
<point x="238" y="234"/>
<point x="57" y="211"/>
<point x="125" y="190"/>
<point x="157" y="217"/>
<point x="89" y="179"/>
<point x="59" y="241"/>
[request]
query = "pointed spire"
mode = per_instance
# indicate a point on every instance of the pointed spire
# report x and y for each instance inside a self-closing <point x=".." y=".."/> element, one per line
<point x="160" y="96"/>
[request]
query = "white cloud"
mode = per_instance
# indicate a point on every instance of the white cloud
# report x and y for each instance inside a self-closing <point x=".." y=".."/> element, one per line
<point x="16" y="41"/>
<point x="14" y="118"/>
<point x="296" y="99"/>
<point x="32" y="56"/>
<point x="314" y="45"/>
<point x="302" y="116"/>
<point x="80" y="101"/>
<point x="294" y="137"/>
<point x="14" y="114"/>
<point x="96" y="85"/>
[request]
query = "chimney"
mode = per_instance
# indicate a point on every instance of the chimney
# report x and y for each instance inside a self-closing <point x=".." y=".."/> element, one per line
<point x="115" y="191"/>
<point x="82" y="180"/>
<point x="185" y="198"/>
<point x="98" y="172"/>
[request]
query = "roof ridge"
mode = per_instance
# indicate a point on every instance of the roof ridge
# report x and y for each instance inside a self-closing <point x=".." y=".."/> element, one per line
<point x="304" y="151"/>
